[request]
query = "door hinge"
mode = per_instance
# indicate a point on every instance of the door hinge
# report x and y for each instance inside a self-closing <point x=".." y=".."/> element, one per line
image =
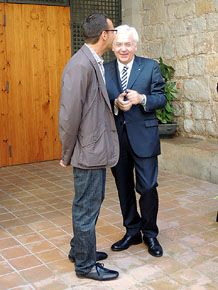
<point x="4" y="20"/>
<point x="7" y="86"/>
<point x="10" y="151"/>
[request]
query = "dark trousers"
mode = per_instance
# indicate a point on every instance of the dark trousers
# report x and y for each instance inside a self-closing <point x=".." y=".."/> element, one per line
<point x="89" y="195"/>
<point x="146" y="171"/>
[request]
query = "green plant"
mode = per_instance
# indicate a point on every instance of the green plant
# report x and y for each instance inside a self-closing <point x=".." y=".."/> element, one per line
<point x="166" y="114"/>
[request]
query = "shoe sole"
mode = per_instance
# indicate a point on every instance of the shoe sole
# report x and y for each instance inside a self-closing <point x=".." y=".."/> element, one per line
<point x="158" y="256"/>
<point x="102" y="279"/>
<point x="119" y="250"/>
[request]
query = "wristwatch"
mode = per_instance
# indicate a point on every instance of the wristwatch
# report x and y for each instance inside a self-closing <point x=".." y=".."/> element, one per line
<point x="144" y="99"/>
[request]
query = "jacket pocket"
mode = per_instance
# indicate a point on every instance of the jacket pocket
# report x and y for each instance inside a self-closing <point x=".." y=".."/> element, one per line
<point x="93" y="151"/>
<point x="151" y="123"/>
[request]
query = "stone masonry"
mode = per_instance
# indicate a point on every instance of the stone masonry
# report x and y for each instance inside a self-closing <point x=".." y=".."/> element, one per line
<point x="185" y="34"/>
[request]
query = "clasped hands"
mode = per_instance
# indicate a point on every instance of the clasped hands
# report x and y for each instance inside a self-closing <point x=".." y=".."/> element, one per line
<point x="133" y="98"/>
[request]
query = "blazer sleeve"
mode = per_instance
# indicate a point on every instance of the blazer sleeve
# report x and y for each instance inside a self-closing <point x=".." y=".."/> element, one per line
<point x="156" y="99"/>
<point x="73" y="92"/>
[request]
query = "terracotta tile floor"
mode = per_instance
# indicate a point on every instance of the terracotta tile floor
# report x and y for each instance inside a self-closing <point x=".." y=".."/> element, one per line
<point x="35" y="230"/>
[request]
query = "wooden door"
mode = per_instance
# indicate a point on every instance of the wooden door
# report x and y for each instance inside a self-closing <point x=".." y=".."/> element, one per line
<point x="37" y="45"/>
<point x="4" y="129"/>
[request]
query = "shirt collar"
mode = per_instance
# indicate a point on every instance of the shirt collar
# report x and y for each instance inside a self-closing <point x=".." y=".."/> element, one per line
<point x="96" y="56"/>
<point x="121" y="65"/>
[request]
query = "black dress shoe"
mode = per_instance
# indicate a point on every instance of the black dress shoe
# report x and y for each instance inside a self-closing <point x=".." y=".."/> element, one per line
<point x="154" y="248"/>
<point x="99" y="273"/>
<point x="99" y="256"/>
<point x="126" y="242"/>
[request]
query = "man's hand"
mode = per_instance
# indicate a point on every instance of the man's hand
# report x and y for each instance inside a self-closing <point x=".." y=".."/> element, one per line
<point x="134" y="97"/>
<point x="121" y="104"/>
<point x="62" y="164"/>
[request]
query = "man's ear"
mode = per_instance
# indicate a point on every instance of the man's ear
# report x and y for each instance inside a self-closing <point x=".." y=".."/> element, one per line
<point x="104" y="35"/>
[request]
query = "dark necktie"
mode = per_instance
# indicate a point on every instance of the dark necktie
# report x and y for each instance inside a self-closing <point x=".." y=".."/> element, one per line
<point x="124" y="78"/>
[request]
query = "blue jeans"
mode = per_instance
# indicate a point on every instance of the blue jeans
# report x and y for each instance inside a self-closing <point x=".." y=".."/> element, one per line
<point x="89" y="187"/>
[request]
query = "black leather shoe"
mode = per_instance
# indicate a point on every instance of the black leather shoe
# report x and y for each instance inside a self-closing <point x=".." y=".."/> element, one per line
<point x="126" y="242"/>
<point x="99" y="256"/>
<point x="99" y="273"/>
<point x="154" y="248"/>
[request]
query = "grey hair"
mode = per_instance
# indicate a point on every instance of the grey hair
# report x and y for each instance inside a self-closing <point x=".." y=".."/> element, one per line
<point x="126" y="28"/>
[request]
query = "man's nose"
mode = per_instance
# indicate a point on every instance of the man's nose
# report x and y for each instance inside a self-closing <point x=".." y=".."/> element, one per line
<point x="123" y="47"/>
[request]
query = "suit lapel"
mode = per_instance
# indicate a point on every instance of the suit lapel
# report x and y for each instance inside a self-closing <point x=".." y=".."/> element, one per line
<point x="135" y="71"/>
<point x="115" y="75"/>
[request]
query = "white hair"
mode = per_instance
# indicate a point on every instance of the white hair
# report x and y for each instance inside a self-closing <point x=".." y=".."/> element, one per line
<point x="126" y="28"/>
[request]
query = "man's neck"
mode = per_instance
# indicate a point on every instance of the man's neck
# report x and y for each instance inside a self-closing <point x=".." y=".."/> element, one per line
<point x="97" y="48"/>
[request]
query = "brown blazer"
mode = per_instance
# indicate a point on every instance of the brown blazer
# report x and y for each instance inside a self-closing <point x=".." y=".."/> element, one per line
<point x="86" y="124"/>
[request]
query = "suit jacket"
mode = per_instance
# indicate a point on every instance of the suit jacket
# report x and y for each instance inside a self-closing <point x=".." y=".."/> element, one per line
<point x="86" y="124"/>
<point x="142" y="126"/>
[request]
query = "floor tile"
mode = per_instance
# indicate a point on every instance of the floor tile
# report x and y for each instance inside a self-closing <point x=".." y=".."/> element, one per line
<point x="36" y="229"/>
<point x="25" y="262"/>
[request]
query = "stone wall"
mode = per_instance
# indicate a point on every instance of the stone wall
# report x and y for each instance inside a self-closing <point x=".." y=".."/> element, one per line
<point x="185" y="34"/>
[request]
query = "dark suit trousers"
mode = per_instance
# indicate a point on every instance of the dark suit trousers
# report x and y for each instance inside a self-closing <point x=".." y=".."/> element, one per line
<point x="146" y="171"/>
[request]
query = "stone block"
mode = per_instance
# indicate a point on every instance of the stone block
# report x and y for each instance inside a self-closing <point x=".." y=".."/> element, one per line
<point x="198" y="110"/>
<point x="148" y="5"/>
<point x="187" y="109"/>
<point x="158" y="13"/>
<point x="212" y="65"/>
<point x="203" y="43"/>
<point x="178" y="28"/>
<point x="199" y="128"/>
<point x="181" y="68"/>
<point x="171" y="11"/>
<point x="146" y="19"/>
<point x="186" y="10"/>
<point x="216" y="5"/>
<point x="196" y="66"/>
<point x="188" y="125"/>
<point x="204" y="7"/>
<point x="184" y="46"/>
<point x="169" y="48"/>
<point x="196" y="25"/>
<point x="178" y="109"/>
<point x="128" y="4"/>
<point x="149" y="32"/>
<point x="156" y="9"/>
<point x="212" y="21"/>
<point x="213" y="82"/>
<point x="215" y="111"/>
<point x="197" y="90"/>
<point x="215" y="48"/>
<point x="154" y="49"/>
<point x="208" y="115"/>
<point x="212" y="128"/>
<point x="168" y="2"/>
<point x="161" y="30"/>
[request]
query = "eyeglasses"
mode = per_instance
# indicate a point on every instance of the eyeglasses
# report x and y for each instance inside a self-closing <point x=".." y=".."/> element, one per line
<point x="125" y="44"/>
<point x="114" y="30"/>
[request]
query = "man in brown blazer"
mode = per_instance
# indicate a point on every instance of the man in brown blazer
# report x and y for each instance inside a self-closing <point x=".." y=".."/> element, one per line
<point x="89" y="142"/>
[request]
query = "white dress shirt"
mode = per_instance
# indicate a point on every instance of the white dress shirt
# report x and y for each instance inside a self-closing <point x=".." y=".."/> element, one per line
<point x="120" y="68"/>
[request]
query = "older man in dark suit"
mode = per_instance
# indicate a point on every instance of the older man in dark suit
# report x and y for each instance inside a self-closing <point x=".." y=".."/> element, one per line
<point x="89" y="142"/>
<point x="136" y="90"/>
